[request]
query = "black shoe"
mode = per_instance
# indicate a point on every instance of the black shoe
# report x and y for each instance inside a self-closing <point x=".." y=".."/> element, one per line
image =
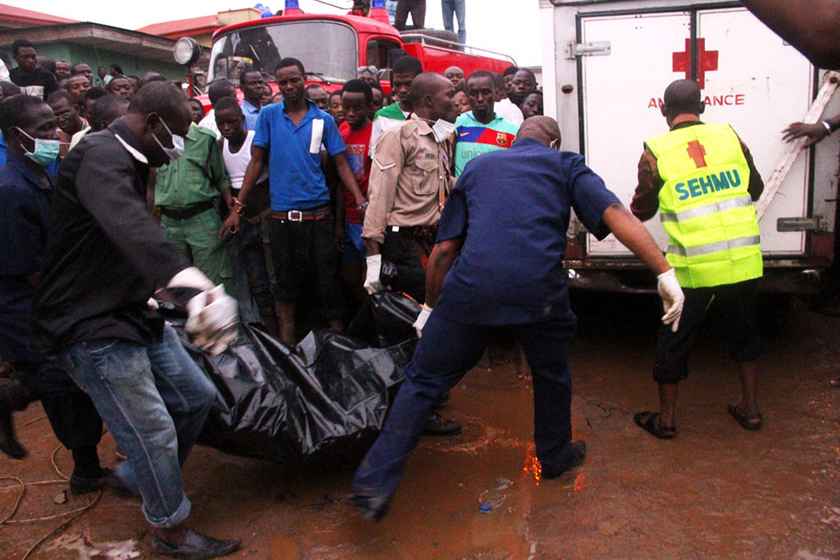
<point x="371" y="507"/>
<point x="8" y="444"/>
<point x="120" y="488"/>
<point x="437" y="425"/>
<point x="195" y="545"/>
<point x="441" y="400"/>
<point x="578" y="455"/>
<point x="85" y="484"/>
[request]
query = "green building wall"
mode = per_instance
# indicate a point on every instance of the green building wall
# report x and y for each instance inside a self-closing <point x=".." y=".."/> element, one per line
<point x="95" y="57"/>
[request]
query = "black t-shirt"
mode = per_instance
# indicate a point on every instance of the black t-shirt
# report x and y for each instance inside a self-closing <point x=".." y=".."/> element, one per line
<point x="105" y="254"/>
<point x="40" y="83"/>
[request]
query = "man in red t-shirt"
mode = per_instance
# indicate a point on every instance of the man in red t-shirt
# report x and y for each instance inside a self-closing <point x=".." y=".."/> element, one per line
<point x="356" y="98"/>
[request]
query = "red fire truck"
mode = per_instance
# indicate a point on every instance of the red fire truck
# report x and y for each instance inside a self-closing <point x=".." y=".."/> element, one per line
<point x="333" y="47"/>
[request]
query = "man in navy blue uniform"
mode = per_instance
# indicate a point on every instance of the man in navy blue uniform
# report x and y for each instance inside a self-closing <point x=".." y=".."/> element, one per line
<point x="498" y="261"/>
<point x="26" y="187"/>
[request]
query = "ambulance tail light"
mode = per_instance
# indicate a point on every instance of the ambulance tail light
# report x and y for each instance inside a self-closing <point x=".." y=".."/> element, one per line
<point x="378" y="11"/>
<point x="292" y="8"/>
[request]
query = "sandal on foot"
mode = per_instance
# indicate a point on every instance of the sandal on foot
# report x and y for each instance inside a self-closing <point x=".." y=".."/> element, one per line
<point x="750" y="422"/>
<point x="650" y="422"/>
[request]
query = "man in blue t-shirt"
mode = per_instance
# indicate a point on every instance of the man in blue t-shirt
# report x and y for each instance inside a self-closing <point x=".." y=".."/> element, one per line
<point x="501" y="264"/>
<point x="305" y="238"/>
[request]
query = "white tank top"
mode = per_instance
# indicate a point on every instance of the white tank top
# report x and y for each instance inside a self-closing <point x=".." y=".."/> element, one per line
<point x="237" y="163"/>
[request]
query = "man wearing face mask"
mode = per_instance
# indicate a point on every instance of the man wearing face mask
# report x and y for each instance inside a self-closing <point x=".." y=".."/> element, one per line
<point x="26" y="187"/>
<point x="187" y="192"/>
<point x="106" y="256"/>
<point x="409" y="181"/>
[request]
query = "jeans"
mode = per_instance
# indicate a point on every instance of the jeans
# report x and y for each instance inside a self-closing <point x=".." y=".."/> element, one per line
<point x="248" y="310"/>
<point x="254" y="239"/>
<point x="459" y="10"/>
<point x="154" y="401"/>
<point x="447" y="351"/>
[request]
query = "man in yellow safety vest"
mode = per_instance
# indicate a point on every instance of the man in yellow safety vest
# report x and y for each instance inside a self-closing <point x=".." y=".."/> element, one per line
<point x="702" y="180"/>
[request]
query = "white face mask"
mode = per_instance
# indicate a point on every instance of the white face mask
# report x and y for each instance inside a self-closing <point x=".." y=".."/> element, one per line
<point x="443" y="130"/>
<point x="177" y="149"/>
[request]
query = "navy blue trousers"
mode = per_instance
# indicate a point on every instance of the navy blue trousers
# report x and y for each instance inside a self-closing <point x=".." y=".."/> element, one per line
<point x="447" y="351"/>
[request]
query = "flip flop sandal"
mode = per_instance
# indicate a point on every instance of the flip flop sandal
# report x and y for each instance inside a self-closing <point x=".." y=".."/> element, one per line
<point x="649" y="422"/>
<point x="752" y="422"/>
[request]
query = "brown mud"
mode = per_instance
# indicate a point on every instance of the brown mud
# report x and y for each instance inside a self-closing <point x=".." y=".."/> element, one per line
<point x="715" y="491"/>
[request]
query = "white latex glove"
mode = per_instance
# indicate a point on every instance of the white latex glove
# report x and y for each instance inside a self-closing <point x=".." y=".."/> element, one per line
<point x="374" y="267"/>
<point x="191" y="278"/>
<point x="212" y="319"/>
<point x="421" y="320"/>
<point x="672" y="298"/>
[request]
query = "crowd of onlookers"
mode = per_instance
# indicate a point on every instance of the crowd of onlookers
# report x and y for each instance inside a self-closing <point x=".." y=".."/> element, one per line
<point x="83" y="102"/>
<point x="282" y="195"/>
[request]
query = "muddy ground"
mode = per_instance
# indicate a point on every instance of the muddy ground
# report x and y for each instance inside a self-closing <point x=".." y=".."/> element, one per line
<point x="716" y="491"/>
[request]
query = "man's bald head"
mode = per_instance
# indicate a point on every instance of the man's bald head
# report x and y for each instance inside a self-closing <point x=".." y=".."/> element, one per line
<point x="542" y="129"/>
<point x="681" y="97"/>
<point x="431" y="97"/>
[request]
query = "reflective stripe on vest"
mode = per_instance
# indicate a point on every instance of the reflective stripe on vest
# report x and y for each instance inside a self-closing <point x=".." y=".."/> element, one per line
<point x="716" y="206"/>
<point x="715" y="247"/>
<point x="705" y="207"/>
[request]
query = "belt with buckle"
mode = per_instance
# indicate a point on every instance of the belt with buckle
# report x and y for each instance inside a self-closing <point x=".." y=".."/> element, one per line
<point x="187" y="212"/>
<point x="301" y="215"/>
<point x="414" y="231"/>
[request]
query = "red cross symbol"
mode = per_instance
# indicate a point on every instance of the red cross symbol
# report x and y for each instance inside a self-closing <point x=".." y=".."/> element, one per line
<point x="706" y="60"/>
<point x="696" y="151"/>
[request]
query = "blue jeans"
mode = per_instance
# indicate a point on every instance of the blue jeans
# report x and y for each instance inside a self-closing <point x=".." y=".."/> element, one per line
<point x="154" y="401"/>
<point x="458" y="8"/>
<point x="447" y="351"/>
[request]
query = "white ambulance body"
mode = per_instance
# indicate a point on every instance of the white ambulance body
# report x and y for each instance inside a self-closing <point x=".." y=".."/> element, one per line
<point x="606" y="64"/>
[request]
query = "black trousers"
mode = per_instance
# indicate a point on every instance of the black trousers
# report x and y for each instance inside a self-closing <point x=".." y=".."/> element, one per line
<point x="71" y="413"/>
<point x="401" y="250"/>
<point x="737" y="302"/>
<point x="417" y="9"/>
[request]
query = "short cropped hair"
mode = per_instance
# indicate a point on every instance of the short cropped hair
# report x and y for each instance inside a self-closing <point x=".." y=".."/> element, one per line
<point x="359" y="86"/>
<point x="21" y="44"/>
<point x="219" y="89"/>
<point x="407" y="65"/>
<point x="15" y="111"/>
<point x="289" y="61"/>
<point x="162" y="98"/>
<point x="60" y="94"/>
<point x="226" y="103"/>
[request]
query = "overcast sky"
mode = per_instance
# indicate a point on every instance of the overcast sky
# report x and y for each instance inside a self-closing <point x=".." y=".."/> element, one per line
<point x="507" y="26"/>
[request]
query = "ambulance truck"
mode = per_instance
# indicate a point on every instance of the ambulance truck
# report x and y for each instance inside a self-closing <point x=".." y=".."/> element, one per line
<point x="606" y="64"/>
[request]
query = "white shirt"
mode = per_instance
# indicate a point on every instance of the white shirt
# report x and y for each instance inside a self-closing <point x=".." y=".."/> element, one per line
<point x="236" y="164"/>
<point x="509" y="111"/>
<point x="380" y="125"/>
<point x="209" y="122"/>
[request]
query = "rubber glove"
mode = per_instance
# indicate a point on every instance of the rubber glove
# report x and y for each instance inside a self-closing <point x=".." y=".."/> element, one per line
<point x="374" y="267"/>
<point x="421" y="320"/>
<point x="672" y="298"/>
<point x="212" y="320"/>
<point x="191" y="277"/>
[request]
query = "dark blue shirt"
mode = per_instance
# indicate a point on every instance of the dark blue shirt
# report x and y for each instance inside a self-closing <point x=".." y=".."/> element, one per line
<point x="294" y="155"/>
<point x="512" y="209"/>
<point x="24" y="221"/>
